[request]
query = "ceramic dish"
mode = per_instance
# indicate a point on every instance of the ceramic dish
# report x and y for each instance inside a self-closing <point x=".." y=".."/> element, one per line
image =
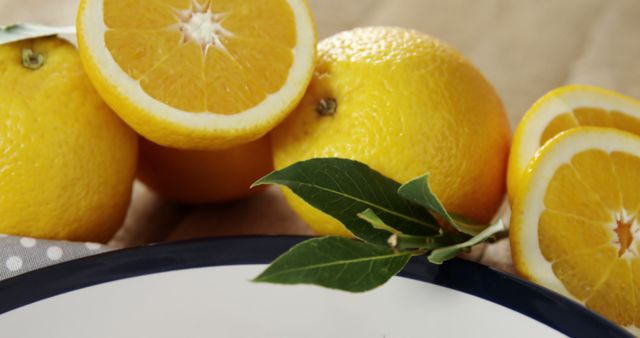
<point x="202" y="289"/>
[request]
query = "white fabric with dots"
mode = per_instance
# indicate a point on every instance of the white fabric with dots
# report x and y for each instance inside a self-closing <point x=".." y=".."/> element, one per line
<point x="22" y="254"/>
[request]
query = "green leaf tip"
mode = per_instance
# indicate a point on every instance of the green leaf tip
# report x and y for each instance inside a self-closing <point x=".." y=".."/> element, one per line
<point x="9" y="28"/>
<point x="375" y="221"/>
<point x="419" y="192"/>
<point x="18" y="32"/>
<point x="261" y="181"/>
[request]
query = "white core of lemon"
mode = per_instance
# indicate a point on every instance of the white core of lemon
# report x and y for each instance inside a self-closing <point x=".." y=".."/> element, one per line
<point x="203" y="26"/>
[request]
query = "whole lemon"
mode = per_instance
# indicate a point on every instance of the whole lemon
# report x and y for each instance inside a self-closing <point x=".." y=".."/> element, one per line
<point x="68" y="162"/>
<point x="204" y="176"/>
<point x="405" y="104"/>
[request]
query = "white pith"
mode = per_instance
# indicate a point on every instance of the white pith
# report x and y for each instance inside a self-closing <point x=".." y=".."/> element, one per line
<point x="566" y="103"/>
<point x="268" y="109"/>
<point x="204" y="28"/>
<point x="532" y="205"/>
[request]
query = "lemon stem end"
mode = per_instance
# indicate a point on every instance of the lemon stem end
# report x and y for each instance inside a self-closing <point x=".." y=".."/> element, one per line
<point x="327" y="107"/>
<point x="31" y="59"/>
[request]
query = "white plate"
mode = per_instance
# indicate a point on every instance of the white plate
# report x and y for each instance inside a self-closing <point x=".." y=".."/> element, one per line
<point x="199" y="289"/>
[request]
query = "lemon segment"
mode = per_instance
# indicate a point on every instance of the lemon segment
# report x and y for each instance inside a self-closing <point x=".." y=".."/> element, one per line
<point x="583" y="272"/>
<point x="627" y="168"/>
<point x="555" y="227"/>
<point x="614" y="296"/>
<point x="583" y="202"/>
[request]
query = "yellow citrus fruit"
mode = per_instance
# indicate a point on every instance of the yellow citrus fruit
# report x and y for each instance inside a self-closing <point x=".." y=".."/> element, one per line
<point x="204" y="176"/>
<point x="405" y="104"/>
<point x="198" y="74"/>
<point x="565" y="108"/>
<point x="574" y="225"/>
<point x="68" y="162"/>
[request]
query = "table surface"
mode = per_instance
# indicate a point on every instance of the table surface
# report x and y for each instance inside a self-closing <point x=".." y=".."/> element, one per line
<point x="525" y="48"/>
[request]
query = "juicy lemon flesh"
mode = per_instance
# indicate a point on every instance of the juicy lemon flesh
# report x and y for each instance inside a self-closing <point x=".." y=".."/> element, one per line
<point x="589" y="116"/>
<point x="220" y="56"/>
<point x="589" y="229"/>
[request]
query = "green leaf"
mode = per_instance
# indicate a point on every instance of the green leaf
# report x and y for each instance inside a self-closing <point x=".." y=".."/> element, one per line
<point x="419" y="192"/>
<point x="337" y="263"/>
<point x="343" y="188"/>
<point x="17" y="32"/>
<point x="440" y="255"/>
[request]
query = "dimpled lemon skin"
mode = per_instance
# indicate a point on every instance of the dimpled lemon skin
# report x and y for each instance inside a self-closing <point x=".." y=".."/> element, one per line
<point x="68" y="162"/>
<point x="407" y="104"/>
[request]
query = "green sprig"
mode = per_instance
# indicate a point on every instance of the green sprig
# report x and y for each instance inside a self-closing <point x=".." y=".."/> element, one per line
<point x="392" y="223"/>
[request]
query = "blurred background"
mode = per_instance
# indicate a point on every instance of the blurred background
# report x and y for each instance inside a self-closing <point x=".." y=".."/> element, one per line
<point x="525" y="48"/>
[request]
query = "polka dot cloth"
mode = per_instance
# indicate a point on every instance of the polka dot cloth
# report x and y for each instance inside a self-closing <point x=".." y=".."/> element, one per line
<point x="21" y="254"/>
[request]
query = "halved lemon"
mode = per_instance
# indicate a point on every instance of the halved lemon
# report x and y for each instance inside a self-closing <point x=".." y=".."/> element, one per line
<point x="565" y="108"/>
<point x="574" y="225"/>
<point x="198" y="74"/>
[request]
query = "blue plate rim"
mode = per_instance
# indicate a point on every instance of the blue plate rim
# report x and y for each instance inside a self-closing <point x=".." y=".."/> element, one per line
<point x="533" y="301"/>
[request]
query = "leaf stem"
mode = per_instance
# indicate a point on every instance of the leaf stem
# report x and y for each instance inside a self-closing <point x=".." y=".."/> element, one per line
<point x="405" y="242"/>
<point x="498" y="236"/>
<point x="442" y="254"/>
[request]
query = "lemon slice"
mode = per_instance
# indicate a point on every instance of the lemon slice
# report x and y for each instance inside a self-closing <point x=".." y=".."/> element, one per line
<point x="574" y="226"/>
<point x="565" y="108"/>
<point x="198" y="74"/>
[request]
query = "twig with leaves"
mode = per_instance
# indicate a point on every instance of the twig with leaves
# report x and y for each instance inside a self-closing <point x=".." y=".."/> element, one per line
<point x="392" y="223"/>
